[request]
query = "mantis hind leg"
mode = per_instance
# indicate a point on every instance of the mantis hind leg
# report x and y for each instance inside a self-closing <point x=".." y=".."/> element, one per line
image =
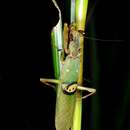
<point x="91" y="90"/>
<point x="50" y="82"/>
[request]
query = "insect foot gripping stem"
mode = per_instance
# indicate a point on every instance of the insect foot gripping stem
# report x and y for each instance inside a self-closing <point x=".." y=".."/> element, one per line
<point x="70" y="88"/>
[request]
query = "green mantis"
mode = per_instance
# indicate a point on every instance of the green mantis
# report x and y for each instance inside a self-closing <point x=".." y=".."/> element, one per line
<point x="67" y="83"/>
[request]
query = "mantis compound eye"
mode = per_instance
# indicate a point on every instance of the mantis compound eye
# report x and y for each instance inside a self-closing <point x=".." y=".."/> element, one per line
<point x="69" y="89"/>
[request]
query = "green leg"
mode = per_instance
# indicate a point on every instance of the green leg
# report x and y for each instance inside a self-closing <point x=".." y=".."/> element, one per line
<point x="48" y="81"/>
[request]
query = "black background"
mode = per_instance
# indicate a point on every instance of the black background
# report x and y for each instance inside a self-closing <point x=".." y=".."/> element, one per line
<point x="26" y="56"/>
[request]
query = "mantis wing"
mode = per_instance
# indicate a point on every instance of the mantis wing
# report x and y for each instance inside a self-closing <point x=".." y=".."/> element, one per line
<point x="65" y="104"/>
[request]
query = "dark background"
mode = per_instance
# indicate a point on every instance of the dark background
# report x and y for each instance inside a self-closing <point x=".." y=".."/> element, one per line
<point x="26" y="56"/>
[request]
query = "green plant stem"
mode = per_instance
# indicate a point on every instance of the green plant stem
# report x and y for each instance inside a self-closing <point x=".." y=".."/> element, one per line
<point x="81" y="11"/>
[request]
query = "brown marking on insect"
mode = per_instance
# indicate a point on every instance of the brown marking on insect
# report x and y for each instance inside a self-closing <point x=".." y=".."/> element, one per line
<point x="65" y="38"/>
